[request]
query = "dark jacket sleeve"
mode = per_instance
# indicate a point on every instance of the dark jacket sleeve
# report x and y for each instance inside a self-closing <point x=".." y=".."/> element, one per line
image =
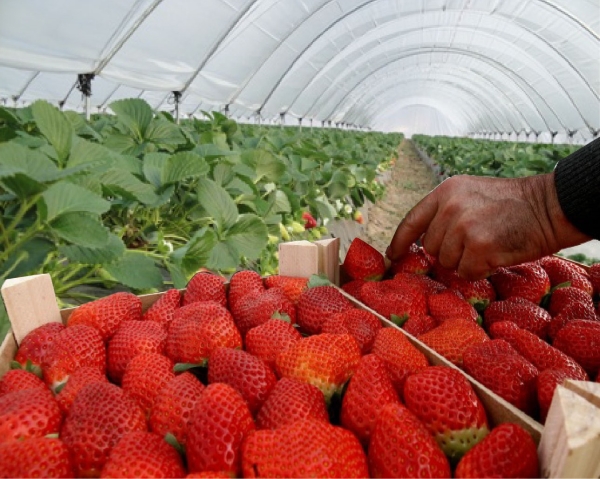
<point x="577" y="180"/>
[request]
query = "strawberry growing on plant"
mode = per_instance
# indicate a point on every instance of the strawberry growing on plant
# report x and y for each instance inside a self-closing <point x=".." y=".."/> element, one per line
<point x="309" y="220"/>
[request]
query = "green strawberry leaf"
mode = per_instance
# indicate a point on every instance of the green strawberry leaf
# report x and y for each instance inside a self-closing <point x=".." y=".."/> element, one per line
<point x="54" y="126"/>
<point x="172" y="441"/>
<point x="282" y="316"/>
<point x="318" y="280"/>
<point x="135" y="271"/>
<point x="64" y="197"/>
<point x="182" y="367"/>
<point x="81" y="229"/>
<point x="399" y="320"/>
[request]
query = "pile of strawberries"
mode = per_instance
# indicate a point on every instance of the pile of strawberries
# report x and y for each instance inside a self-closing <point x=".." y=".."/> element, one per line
<point x="521" y="332"/>
<point x="257" y="377"/>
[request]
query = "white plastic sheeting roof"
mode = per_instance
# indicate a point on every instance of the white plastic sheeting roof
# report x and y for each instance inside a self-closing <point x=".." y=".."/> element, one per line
<point x="429" y="66"/>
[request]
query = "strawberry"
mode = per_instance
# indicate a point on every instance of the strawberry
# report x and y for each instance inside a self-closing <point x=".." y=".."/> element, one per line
<point x="450" y="304"/>
<point x="219" y="423"/>
<point x="443" y="399"/>
<point x="578" y="311"/>
<point x="173" y="405"/>
<point x="562" y="271"/>
<point x="535" y="350"/>
<point x="326" y="361"/>
<point x="131" y="339"/>
<point x="580" y="339"/>
<point x="547" y="381"/>
<point x="209" y="475"/>
<point x="254" y="310"/>
<point x="497" y="365"/>
<point x="417" y="325"/>
<point x="522" y="312"/>
<point x="105" y="314"/>
<point x="28" y="413"/>
<point x="594" y="274"/>
<point x="145" y="375"/>
<point x="74" y="347"/>
<point x="443" y="275"/>
<point x="317" y="304"/>
<point x="362" y="261"/>
<point x="198" y="329"/>
<point x="480" y="293"/>
<point x="362" y="325"/>
<point x="304" y="448"/>
<point x="35" y="457"/>
<point x="353" y="288"/>
<point x="369" y="390"/>
<point x="401" y="358"/>
<point x="19" y="380"/>
<point x="507" y="451"/>
<point x="401" y="446"/>
<point x="394" y="300"/>
<point x="143" y="454"/>
<point x="242" y="283"/>
<point x="269" y="339"/>
<point x="527" y="280"/>
<point x="453" y="337"/>
<point x="246" y="373"/>
<point x="206" y="286"/>
<point x="291" y="286"/>
<point x="80" y="378"/>
<point x="414" y="262"/>
<point x="164" y="308"/>
<point x="35" y="344"/>
<point x="564" y="299"/>
<point x="309" y="220"/>
<point x="100" y="415"/>
<point x="289" y="401"/>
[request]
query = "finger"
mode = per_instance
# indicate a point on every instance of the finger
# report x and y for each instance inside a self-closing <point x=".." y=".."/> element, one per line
<point x="474" y="266"/>
<point x="451" y="248"/>
<point x="412" y="226"/>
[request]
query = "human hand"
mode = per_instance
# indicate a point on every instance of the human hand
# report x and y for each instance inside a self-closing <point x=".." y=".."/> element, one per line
<point x="478" y="224"/>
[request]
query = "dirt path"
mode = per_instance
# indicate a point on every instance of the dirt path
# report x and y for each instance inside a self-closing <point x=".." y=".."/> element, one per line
<point x="410" y="181"/>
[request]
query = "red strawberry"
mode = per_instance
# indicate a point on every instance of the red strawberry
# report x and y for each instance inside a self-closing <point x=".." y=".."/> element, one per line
<point x="254" y="310"/>
<point x="580" y="339"/>
<point x="28" y="413"/>
<point x="246" y="373"/>
<point x="269" y="339"/>
<point x="362" y="325"/>
<point x="547" y="381"/>
<point x="562" y="271"/>
<point x="289" y="401"/>
<point x="219" y="423"/>
<point x="164" y="308"/>
<point x="291" y="286"/>
<point x="401" y="446"/>
<point x="309" y="220"/>
<point x="566" y="298"/>
<point x="417" y="325"/>
<point x="594" y="273"/>
<point x="497" y="365"/>
<point x="198" y="329"/>
<point x="100" y="415"/>
<point x="36" y="343"/>
<point x="173" y="405"/>
<point x="305" y="448"/>
<point x="363" y="261"/>
<point x="401" y="358"/>
<point x="131" y="339"/>
<point x="20" y="380"/>
<point x="535" y="350"/>
<point x="414" y="262"/>
<point x="326" y="361"/>
<point x="80" y="378"/>
<point x="74" y="347"/>
<point x="242" y="283"/>
<point x="450" y="304"/>
<point x="443" y="275"/>
<point x="143" y="454"/>
<point x="369" y="390"/>
<point x="353" y="288"/>
<point x="443" y="399"/>
<point x="479" y="293"/>
<point x="576" y="311"/>
<point x="317" y="304"/>
<point x="105" y="314"/>
<point x="523" y="313"/>
<point x="453" y="337"/>
<point x="507" y="451"/>
<point x="145" y="375"/>
<point x="206" y="286"/>
<point x="35" y="457"/>
<point x="527" y="280"/>
<point x="394" y="300"/>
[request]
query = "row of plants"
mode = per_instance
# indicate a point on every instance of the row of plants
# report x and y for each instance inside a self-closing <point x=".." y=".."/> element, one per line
<point x="491" y="158"/>
<point x="136" y="201"/>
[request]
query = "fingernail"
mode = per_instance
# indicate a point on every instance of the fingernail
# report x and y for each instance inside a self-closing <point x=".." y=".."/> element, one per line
<point x="388" y="252"/>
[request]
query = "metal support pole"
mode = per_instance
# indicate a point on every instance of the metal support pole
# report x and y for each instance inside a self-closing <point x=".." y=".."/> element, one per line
<point x="300" y="123"/>
<point x="176" y="101"/>
<point x="226" y="110"/>
<point x="84" y="85"/>
<point x="553" y="133"/>
<point x="281" y="119"/>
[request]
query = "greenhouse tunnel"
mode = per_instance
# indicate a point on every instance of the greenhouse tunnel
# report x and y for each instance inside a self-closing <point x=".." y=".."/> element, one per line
<point x="500" y="69"/>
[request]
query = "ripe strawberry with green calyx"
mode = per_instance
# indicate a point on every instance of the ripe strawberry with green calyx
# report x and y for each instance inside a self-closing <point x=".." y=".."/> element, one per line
<point x="443" y="399"/>
<point x="507" y="451"/>
<point x="269" y="339"/>
<point x="164" y="308"/>
<point x="304" y="448"/>
<point x="218" y="425"/>
<point x="291" y="286"/>
<point x="206" y="286"/>
<point x="105" y="314"/>
<point x="417" y="325"/>
<point x="526" y="280"/>
<point x="35" y="457"/>
<point x="568" y="298"/>
<point x="35" y="345"/>
<point x="362" y="261"/>
<point x="80" y="378"/>
<point x="143" y="454"/>
<point x="256" y="309"/>
<point x="324" y="360"/>
<point x="401" y="446"/>
<point x="479" y="293"/>
<point x="361" y="324"/>
<point x="414" y="262"/>
<point x="309" y="220"/>
<point x="580" y="339"/>
<point x="561" y="271"/>
<point x="20" y="380"/>
<point x="368" y="391"/>
<point x="450" y="304"/>
<point x="396" y="301"/>
<point x="318" y="303"/>
<point x="497" y="365"/>
<point x="242" y="283"/>
<point x="522" y="312"/>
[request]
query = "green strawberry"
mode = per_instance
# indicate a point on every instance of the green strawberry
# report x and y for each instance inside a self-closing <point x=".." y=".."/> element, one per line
<point x="35" y="457"/>
<point x="362" y="261"/>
